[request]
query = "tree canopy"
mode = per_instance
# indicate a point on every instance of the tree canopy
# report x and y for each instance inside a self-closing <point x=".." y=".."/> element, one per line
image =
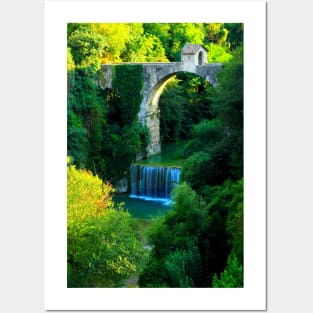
<point x="98" y="43"/>
<point x="102" y="248"/>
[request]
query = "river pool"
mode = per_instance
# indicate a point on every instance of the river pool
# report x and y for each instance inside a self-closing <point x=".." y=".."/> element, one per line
<point x="143" y="208"/>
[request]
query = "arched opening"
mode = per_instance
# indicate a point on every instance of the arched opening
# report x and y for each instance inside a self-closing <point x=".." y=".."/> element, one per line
<point x="184" y="102"/>
<point x="175" y="103"/>
<point x="200" y="58"/>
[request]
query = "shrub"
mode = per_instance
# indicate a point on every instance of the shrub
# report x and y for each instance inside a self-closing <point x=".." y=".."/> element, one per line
<point x="102" y="248"/>
<point x="184" y="267"/>
<point x="231" y="277"/>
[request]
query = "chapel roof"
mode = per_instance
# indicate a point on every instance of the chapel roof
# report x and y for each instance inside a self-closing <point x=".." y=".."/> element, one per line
<point x="192" y="48"/>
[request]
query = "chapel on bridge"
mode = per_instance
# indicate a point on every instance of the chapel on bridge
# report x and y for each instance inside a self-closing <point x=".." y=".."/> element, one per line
<point x="194" y="54"/>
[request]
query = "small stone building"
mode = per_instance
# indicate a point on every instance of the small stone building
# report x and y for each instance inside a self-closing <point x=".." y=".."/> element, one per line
<point x="194" y="55"/>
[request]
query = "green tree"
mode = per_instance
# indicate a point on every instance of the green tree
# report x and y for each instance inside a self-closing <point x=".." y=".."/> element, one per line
<point x="145" y="48"/>
<point x="217" y="43"/>
<point x="86" y="47"/>
<point x="218" y="54"/>
<point x="188" y="212"/>
<point x="175" y="260"/>
<point x="185" y="101"/>
<point x="70" y="61"/>
<point x="180" y="34"/>
<point x="184" y="267"/>
<point x="205" y="135"/>
<point x="234" y="222"/>
<point x="86" y="119"/>
<point x="76" y="139"/>
<point x="216" y="33"/>
<point x="171" y="107"/>
<point x="229" y="98"/>
<point x="196" y="170"/>
<point x="128" y="82"/>
<point x="117" y="36"/>
<point x="102" y="248"/>
<point x="224" y="235"/>
<point x="120" y="147"/>
<point x="228" y="103"/>
<point x="235" y="34"/>
<point x="231" y="277"/>
<point x="160" y="30"/>
<point x="155" y="51"/>
<point x="209" y="166"/>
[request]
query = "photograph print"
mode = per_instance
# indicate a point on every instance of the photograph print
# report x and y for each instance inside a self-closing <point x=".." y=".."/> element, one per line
<point x="155" y="155"/>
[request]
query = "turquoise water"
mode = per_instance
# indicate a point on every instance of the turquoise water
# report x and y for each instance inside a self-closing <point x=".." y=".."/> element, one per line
<point x="143" y="208"/>
<point x="141" y="205"/>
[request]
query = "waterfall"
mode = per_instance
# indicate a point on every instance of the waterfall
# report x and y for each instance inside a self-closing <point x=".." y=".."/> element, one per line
<point x="153" y="182"/>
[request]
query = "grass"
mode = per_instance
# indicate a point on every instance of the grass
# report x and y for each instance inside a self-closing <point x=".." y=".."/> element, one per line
<point x="141" y="228"/>
<point x="172" y="154"/>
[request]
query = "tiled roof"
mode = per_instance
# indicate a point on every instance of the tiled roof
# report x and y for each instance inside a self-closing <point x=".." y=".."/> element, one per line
<point x="192" y="49"/>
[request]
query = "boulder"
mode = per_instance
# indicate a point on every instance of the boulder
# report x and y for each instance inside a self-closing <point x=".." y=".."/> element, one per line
<point x="121" y="186"/>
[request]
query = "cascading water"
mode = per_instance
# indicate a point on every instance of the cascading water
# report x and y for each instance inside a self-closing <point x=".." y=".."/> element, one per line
<point x="153" y="182"/>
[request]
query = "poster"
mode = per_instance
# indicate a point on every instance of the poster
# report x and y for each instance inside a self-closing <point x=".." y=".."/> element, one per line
<point x="253" y="16"/>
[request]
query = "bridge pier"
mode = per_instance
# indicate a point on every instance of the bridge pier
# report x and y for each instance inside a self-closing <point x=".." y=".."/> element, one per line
<point x="152" y="121"/>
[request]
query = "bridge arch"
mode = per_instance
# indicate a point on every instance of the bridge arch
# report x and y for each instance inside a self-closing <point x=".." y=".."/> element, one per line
<point x="157" y="89"/>
<point x="154" y="83"/>
<point x="155" y="77"/>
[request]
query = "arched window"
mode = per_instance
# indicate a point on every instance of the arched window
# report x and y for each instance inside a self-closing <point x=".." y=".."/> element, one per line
<point x="200" y="58"/>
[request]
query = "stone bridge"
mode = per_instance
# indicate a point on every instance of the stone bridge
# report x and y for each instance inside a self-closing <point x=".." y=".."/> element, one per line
<point x="156" y="76"/>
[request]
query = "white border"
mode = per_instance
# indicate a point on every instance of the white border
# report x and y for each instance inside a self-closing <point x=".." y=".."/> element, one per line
<point x="253" y="295"/>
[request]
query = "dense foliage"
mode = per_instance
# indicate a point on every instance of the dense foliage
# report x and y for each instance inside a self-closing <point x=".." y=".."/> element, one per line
<point x="102" y="248"/>
<point x="128" y="82"/>
<point x="185" y="101"/>
<point x="102" y="124"/>
<point x="98" y="43"/>
<point x="200" y="242"/>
